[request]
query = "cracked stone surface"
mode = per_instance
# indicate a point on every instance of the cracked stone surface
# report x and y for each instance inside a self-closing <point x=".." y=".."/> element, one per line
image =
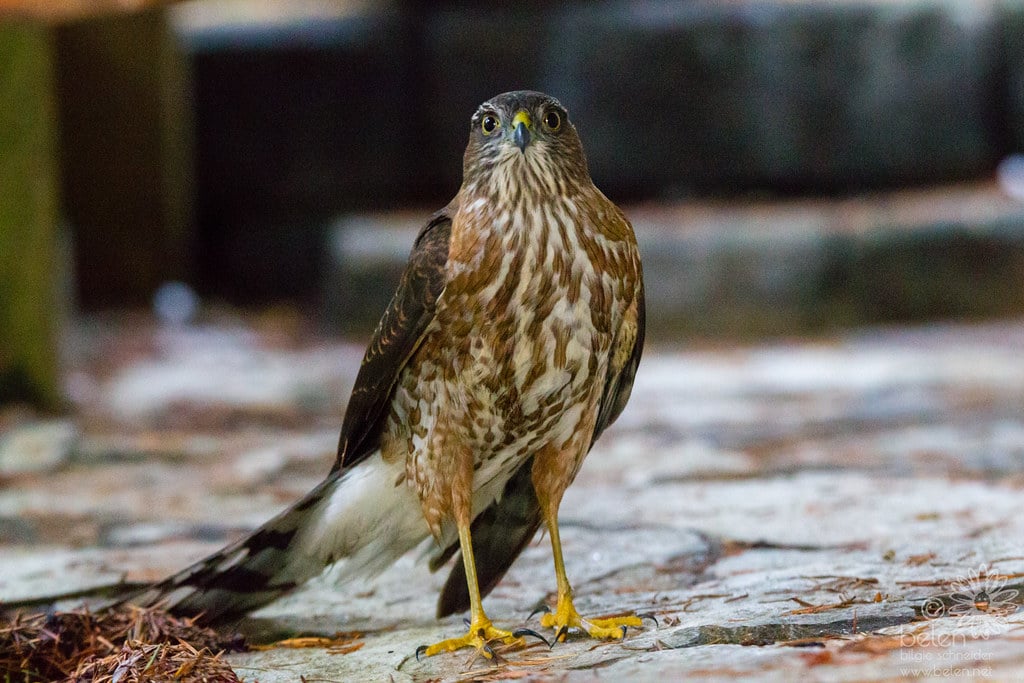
<point x="835" y="509"/>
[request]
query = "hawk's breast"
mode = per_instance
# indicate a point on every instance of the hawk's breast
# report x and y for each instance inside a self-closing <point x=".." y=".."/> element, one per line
<point x="517" y="353"/>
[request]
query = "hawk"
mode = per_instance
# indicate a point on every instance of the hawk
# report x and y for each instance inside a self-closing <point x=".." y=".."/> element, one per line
<point x="510" y="345"/>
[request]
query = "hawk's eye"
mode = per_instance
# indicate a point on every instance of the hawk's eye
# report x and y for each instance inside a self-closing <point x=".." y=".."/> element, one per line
<point x="552" y="120"/>
<point x="489" y="124"/>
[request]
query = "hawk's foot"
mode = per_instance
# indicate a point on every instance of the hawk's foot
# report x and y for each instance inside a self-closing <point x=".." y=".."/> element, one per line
<point x="481" y="636"/>
<point x="565" y="617"/>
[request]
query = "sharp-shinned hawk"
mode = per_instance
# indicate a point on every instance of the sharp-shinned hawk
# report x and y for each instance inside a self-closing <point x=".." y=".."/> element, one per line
<point x="510" y="345"/>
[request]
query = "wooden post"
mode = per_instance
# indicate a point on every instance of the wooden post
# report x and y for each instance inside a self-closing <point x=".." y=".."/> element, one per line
<point x="29" y="246"/>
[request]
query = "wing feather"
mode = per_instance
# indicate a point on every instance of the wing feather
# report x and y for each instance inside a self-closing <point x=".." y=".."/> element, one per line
<point x="396" y="338"/>
<point x="625" y="360"/>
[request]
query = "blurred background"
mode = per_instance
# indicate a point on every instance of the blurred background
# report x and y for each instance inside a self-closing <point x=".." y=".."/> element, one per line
<point x="791" y="168"/>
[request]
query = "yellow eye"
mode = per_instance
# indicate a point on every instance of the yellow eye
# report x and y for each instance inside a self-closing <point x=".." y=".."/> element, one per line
<point x="552" y="120"/>
<point x="489" y="124"/>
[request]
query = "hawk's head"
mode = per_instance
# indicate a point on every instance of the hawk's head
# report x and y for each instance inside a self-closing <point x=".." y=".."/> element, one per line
<point x="524" y="137"/>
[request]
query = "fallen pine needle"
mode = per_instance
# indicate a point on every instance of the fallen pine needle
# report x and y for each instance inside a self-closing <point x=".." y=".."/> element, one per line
<point x="124" y="645"/>
<point x="340" y="643"/>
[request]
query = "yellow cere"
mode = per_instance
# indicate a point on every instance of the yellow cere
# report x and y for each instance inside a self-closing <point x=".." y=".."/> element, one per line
<point x="522" y="116"/>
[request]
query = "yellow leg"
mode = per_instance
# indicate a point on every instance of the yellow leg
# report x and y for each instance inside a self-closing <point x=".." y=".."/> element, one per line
<point x="565" y="616"/>
<point x="481" y="632"/>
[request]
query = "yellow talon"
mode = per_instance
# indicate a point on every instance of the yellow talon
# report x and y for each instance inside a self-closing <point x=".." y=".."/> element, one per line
<point x="481" y="634"/>
<point x="566" y="617"/>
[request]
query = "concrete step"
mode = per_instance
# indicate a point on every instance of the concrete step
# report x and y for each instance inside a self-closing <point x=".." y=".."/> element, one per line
<point x="763" y="267"/>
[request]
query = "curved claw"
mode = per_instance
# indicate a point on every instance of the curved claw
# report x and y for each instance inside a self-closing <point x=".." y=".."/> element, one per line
<point x="420" y="650"/>
<point x="541" y="608"/>
<point x="519" y="633"/>
<point x="487" y="651"/>
<point x="623" y="631"/>
<point x="651" y="617"/>
<point x="562" y="633"/>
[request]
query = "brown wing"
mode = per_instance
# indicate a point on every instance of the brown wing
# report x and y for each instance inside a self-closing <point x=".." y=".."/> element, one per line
<point x="396" y="338"/>
<point x="502" y="530"/>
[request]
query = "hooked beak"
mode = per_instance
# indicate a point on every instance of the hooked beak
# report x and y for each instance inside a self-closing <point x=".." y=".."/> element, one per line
<point x="521" y="130"/>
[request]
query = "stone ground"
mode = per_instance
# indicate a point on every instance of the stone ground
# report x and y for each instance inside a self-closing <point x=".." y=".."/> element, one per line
<point x="832" y="509"/>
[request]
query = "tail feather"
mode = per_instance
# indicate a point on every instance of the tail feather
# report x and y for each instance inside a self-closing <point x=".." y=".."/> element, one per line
<point x="358" y="515"/>
<point x="247" y="574"/>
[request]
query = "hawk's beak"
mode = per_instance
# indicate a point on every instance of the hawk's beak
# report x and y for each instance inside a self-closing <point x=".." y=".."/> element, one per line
<point x="521" y="130"/>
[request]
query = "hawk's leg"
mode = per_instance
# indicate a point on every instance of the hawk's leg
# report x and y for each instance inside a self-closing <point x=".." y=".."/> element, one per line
<point x="553" y="469"/>
<point x="481" y="632"/>
<point x="565" y="616"/>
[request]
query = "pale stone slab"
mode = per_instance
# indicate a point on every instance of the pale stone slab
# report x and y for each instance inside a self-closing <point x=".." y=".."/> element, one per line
<point x="786" y="511"/>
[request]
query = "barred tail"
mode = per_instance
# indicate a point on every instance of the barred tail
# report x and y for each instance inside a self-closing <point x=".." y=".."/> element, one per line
<point x="361" y="516"/>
